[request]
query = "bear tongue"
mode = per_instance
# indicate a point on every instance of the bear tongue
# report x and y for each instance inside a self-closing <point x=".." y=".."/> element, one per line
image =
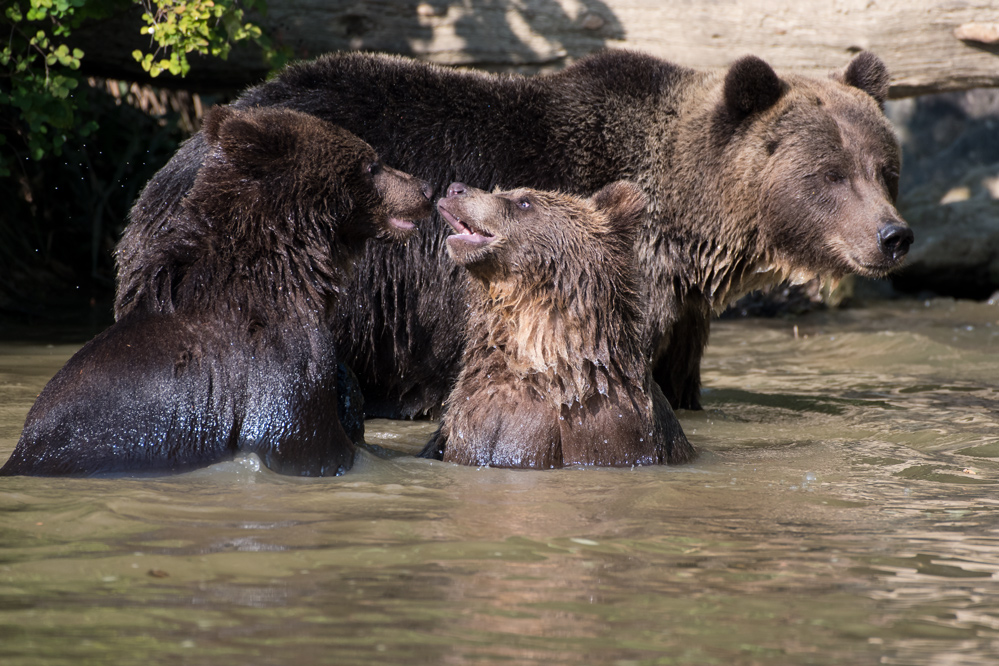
<point x="400" y="223"/>
<point x="464" y="236"/>
<point x="461" y="228"/>
<point x="468" y="239"/>
<point x="467" y="234"/>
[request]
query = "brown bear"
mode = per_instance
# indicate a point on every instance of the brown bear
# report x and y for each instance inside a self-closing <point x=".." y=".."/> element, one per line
<point x="232" y="348"/>
<point x="752" y="178"/>
<point x="554" y="370"/>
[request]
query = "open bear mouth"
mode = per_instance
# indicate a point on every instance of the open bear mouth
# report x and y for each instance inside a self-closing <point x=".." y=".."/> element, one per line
<point x="464" y="233"/>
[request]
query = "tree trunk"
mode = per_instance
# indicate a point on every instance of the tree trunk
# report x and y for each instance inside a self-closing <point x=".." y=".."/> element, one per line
<point x="929" y="46"/>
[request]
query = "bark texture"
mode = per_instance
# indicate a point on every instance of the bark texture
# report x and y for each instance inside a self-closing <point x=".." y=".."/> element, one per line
<point x="929" y="45"/>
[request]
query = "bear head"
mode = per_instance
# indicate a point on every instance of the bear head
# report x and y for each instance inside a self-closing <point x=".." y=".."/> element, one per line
<point x="816" y="162"/>
<point x="557" y="272"/>
<point x="540" y="239"/>
<point x="294" y="167"/>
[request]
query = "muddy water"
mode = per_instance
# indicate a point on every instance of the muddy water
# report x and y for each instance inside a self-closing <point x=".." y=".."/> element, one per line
<point x="844" y="511"/>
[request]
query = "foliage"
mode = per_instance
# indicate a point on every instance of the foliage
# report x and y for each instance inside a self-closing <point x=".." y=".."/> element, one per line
<point x="39" y="69"/>
<point x="62" y="216"/>
<point x="75" y="152"/>
<point x="179" y="27"/>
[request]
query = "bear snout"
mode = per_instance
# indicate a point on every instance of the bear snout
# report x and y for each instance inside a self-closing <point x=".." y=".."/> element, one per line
<point x="457" y="189"/>
<point x="894" y="239"/>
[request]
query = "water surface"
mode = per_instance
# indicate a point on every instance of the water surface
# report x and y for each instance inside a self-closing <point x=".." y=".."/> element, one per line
<point x="844" y="510"/>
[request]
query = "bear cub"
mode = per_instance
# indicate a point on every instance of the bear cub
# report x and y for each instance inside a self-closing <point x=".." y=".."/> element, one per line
<point x="230" y="346"/>
<point x="554" y="372"/>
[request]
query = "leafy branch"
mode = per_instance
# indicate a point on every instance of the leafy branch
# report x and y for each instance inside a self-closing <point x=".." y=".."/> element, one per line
<point x="205" y="27"/>
<point x="37" y="74"/>
<point x="39" y="112"/>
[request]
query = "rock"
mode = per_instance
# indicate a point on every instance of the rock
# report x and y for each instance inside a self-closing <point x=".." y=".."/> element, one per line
<point x="949" y="192"/>
<point x="986" y="33"/>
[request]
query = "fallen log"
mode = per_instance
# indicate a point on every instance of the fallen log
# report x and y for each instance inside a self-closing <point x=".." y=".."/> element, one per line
<point x="929" y="46"/>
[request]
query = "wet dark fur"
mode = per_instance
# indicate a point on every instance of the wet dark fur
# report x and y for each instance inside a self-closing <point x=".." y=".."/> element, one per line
<point x="751" y="178"/>
<point x="554" y="371"/>
<point x="229" y="346"/>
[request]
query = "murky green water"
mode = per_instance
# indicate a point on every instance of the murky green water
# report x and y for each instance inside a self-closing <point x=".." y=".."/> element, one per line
<point x="845" y="510"/>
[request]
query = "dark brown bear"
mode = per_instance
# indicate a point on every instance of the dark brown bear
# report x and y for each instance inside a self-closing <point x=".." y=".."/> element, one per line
<point x="232" y="347"/>
<point x="554" y="371"/>
<point x="751" y="178"/>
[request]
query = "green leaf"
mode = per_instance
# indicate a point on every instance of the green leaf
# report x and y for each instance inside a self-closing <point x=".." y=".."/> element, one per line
<point x="37" y="64"/>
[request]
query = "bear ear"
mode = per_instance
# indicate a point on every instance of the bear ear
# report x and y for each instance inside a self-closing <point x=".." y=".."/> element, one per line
<point x="751" y="86"/>
<point x="624" y="203"/>
<point x="213" y="120"/>
<point x="256" y="141"/>
<point x="867" y="72"/>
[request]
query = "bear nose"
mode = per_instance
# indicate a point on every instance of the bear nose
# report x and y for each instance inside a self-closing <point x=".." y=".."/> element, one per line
<point x="456" y="189"/>
<point x="894" y="240"/>
<point x="427" y="189"/>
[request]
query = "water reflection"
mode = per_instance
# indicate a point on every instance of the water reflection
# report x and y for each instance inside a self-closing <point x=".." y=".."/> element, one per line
<point x="842" y="512"/>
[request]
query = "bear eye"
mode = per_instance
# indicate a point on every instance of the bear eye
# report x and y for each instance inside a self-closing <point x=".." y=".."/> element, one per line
<point x="834" y="177"/>
<point x="524" y="203"/>
<point x="890" y="177"/>
<point x="374" y="168"/>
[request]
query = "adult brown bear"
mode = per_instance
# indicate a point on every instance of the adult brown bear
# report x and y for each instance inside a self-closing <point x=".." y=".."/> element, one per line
<point x="751" y="177"/>
<point x="554" y="371"/>
<point x="231" y="349"/>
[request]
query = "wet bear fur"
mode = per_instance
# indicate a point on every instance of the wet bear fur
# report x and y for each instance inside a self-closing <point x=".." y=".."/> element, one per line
<point x="752" y="178"/>
<point x="554" y="371"/>
<point x="231" y="348"/>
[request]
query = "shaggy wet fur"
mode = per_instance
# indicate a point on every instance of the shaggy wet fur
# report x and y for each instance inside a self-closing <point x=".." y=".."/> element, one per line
<point x="751" y="178"/>
<point x="230" y="347"/>
<point x="554" y="371"/>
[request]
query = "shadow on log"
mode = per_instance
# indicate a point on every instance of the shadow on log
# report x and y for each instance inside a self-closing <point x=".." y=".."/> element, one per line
<point x="929" y="45"/>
